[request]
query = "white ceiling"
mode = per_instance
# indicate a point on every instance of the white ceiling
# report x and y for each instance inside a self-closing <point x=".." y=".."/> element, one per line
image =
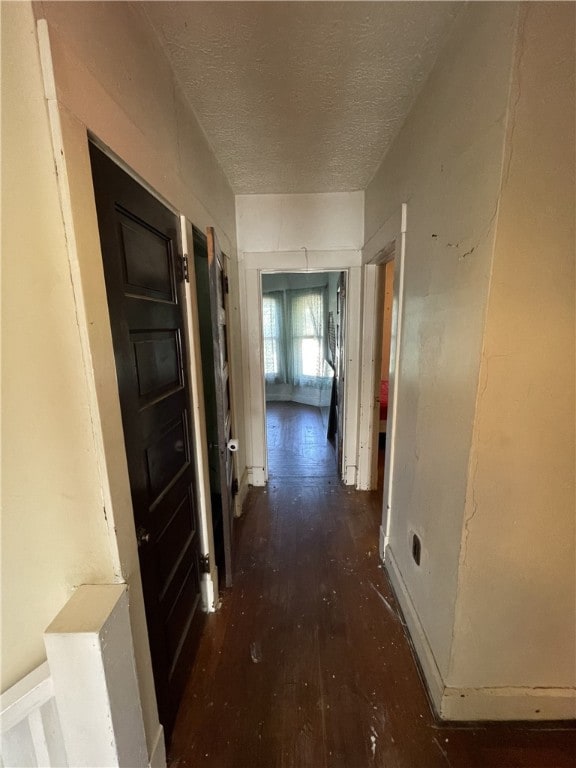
<point x="301" y="96"/>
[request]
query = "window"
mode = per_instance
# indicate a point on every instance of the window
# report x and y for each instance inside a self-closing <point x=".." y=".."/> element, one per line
<point x="295" y="345"/>
<point x="294" y="331"/>
<point x="272" y="326"/>
<point x="307" y="324"/>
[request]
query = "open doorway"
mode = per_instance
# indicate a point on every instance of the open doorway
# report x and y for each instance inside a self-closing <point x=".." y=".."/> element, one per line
<point x="386" y="288"/>
<point x="303" y="320"/>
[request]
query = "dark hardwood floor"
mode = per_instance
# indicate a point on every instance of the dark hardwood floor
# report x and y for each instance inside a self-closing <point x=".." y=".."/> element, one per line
<point x="307" y="664"/>
<point x="297" y="445"/>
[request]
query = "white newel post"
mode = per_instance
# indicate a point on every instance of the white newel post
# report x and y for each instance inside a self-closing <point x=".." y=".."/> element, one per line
<point x="91" y="659"/>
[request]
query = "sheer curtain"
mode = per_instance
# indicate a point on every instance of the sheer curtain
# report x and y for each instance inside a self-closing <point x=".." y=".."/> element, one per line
<point x="274" y="337"/>
<point x="295" y="346"/>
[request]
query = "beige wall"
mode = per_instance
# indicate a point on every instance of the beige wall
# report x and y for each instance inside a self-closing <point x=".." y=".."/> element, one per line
<point x="515" y="619"/>
<point x="54" y="534"/>
<point x="68" y="461"/>
<point x="278" y="224"/>
<point x="446" y="164"/>
<point x="485" y="454"/>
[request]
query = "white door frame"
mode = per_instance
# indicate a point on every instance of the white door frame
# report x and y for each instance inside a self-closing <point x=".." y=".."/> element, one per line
<point x="371" y="367"/>
<point x="389" y="241"/>
<point x="342" y="467"/>
<point x="209" y="583"/>
<point x="252" y="265"/>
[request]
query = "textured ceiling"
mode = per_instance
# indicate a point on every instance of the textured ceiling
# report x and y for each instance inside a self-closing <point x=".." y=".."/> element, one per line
<point x="300" y="96"/>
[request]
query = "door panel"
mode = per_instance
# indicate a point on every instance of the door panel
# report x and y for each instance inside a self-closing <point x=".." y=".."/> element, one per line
<point x="218" y="289"/>
<point x="340" y="370"/>
<point x="211" y="295"/>
<point x="140" y="254"/>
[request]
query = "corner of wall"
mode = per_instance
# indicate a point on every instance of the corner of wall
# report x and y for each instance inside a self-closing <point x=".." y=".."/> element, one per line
<point x="451" y="176"/>
<point x="513" y="607"/>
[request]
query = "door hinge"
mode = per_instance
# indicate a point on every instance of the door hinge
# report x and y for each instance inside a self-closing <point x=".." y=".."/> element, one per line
<point x="205" y="563"/>
<point x="184" y="275"/>
<point x="234" y="487"/>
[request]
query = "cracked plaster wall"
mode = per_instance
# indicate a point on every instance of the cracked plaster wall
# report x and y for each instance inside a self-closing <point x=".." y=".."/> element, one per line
<point x="516" y="611"/>
<point x="446" y="164"/>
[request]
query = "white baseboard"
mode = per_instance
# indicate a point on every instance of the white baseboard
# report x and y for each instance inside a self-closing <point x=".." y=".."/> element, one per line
<point x="508" y="704"/>
<point x="93" y="670"/>
<point x="158" y="754"/>
<point x="350" y="475"/>
<point x="432" y="676"/>
<point x="256" y="476"/>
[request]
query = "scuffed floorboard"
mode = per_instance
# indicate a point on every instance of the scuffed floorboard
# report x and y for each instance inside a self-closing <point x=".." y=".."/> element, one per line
<point x="307" y="665"/>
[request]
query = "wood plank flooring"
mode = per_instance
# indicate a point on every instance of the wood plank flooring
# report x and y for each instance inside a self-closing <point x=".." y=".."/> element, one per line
<point x="297" y="445"/>
<point x="307" y="664"/>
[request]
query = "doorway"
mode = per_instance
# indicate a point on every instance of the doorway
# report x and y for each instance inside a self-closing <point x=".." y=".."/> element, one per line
<point x="144" y="288"/>
<point x="386" y="290"/>
<point x="303" y="322"/>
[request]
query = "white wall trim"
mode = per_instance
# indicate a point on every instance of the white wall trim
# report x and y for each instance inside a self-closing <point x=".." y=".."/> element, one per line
<point x="389" y="241"/>
<point x="25" y="696"/>
<point x="432" y="676"/>
<point x="395" y="365"/>
<point x="372" y="329"/>
<point x="254" y="394"/>
<point x="465" y="704"/>
<point x="158" y="753"/>
<point x="30" y="724"/>
<point x="352" y="378"/>
<point x="369" y="403"/>
<point x="198" y="416"/>
<point x="254" y="397"/>
<point x="508" y="704"/>
<point x="256" y="476"/>
<point x="91" y="658"/>
<point x="244" y="326"/>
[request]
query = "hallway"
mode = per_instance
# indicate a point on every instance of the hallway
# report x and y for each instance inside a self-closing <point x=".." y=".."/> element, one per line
<point x="307" y="665"/>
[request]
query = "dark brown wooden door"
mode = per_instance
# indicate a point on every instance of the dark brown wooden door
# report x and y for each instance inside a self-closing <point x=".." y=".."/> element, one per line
<point x="143" y="282"/>
<point x="340" y="369"/>
<point x="218" y="290"/>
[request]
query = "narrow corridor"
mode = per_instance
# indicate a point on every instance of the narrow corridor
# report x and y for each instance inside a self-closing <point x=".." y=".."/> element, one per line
<point x="307" y="663"/>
